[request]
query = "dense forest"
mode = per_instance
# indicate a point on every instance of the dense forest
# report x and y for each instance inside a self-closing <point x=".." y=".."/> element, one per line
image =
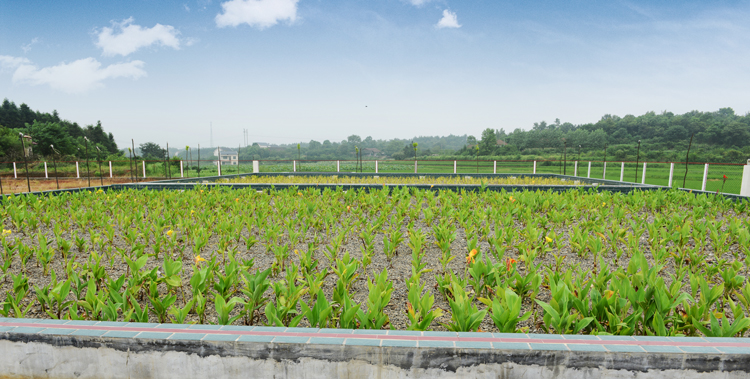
<point x="47" y="129"/>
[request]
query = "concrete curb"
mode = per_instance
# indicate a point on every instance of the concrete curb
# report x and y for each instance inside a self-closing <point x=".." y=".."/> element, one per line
<point x="36" y="348"/>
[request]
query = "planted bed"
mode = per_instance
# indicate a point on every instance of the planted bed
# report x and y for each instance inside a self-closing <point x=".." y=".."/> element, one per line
<point x="578" y="261"/>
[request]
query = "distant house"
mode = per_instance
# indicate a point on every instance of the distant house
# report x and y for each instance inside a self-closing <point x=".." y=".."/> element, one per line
<point x="228" y="156"/>
<point x="371" y="152"/>
<point x="498" y="143"/>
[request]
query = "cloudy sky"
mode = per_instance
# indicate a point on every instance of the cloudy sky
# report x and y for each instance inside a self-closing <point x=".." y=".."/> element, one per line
<point x="295" y="70"/>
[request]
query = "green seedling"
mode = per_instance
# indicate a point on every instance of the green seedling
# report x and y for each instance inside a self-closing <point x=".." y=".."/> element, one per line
<point x="254" y="289"/>
<point x="320" y="314"/>
<point x="506" y="310"/>
<point x="224" y="308"/>
<point x="419" y="307"/>
<point x="380" y="290"/>
<point x="465" y="316"/>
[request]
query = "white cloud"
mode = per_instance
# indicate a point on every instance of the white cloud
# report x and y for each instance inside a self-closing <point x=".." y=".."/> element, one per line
<point x="133" y="37"/>
<point x="186" y="7"/>
<point x="26" y="48"/>
<point x="257" y="13"/>
<point x="449" y="20"/>
<point x="76" y="77"/>
<point x="418" y="3"/>
<point x="8" y="62"/>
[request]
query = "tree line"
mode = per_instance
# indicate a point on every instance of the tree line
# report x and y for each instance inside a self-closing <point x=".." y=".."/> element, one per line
<point x="48" y="129"/>
<point x="720" y="136"/>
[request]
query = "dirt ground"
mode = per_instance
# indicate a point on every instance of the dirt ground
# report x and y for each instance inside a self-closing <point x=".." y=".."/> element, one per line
<point x="11" y="185"/>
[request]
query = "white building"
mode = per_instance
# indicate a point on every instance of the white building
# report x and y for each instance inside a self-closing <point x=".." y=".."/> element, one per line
<point x="228" y="157"/>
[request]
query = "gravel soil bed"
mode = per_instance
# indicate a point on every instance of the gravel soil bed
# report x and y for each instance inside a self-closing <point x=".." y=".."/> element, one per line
<point x="229" y="217"/>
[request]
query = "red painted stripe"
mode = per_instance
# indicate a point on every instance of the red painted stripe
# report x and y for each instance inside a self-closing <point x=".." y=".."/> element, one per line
<point x="379" y="336"/>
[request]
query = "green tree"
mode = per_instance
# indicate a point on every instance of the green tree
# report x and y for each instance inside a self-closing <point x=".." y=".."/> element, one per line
<point x="150" y="150"/>
<point x="488" y="142"/>
<point x="45" y="134"/>
<point x="10" y="145"/>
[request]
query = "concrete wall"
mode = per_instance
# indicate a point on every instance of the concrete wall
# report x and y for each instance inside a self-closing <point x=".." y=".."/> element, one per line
<point x="55" y="356"/>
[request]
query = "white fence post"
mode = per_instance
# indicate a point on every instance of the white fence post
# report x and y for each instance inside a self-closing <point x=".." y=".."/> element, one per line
<point x="110" y="169"/>
<point x="454" y="167"/>
<point x="181" y="171"/>
<point x="494" y="167"/>
<point x="218" y="164"/>
<point x="575" y="169"/>
<point x="338" y="166"/>
<point x="256" y="167"/>
<point x="643" y="178"/>
<point x="78" y="172"/>
<point x="671" y="174"/>
<point x="622" y="171"/>
<point x="589" y="174"/>
<point x="415" y="167"/>
<point x="45" y="171"/>
<point x="705" y="177"/>
<point x="294" y="166"/>
<point x="144" y="169"/>
<point x="745" y="186"/>
<point x="604" y="171"/>
<point x="534" y="167"/>
<point x="376" y="167"/>
<point x="15" y="173"/>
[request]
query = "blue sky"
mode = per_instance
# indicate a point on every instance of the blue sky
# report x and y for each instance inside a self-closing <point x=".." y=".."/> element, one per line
<point x="295" y="70"/>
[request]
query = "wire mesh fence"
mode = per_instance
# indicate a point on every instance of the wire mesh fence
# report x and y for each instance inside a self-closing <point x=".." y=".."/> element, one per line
<point x="46" y="175"/>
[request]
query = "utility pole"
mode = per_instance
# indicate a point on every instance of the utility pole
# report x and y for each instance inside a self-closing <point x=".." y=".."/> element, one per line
<point x="99" y="158"/>
<point x="25" y="161"/>
<point x="637" y="160"/>
<point x="88" y="172"/>
<point x="565" y="157"/>
<point x="135" y="161"/>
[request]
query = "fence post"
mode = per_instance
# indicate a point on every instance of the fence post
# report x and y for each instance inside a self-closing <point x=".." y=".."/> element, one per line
<point x="338" y="166"/>
<point x="454" y="167"/>
<point x="15" y="173"/>
<point x="78" y="172"/>
<point x="219" y="164"/>
<point x="745" y="186"/>
<point x="534" y="167"/>
<point x="604" y="171"/>
<point x="671" y="173"/>
<point x="705" y="177"/>
<point x="294" y="166"/>
<point x="110" y="169"/>
<point x="643" y="178"/>
<point x="256" y="167"/>
<point x="494" y="167"/>
<point x="45" y="171"/>
<point x="415" y="167"/>
<point x="181" y="173"/>
<point x="589" y="174"/>
<point x="144" y="169"/>
<point x="575" y="168"/>
<point x="622" y="171"/>
<point x="376" y="166"/>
